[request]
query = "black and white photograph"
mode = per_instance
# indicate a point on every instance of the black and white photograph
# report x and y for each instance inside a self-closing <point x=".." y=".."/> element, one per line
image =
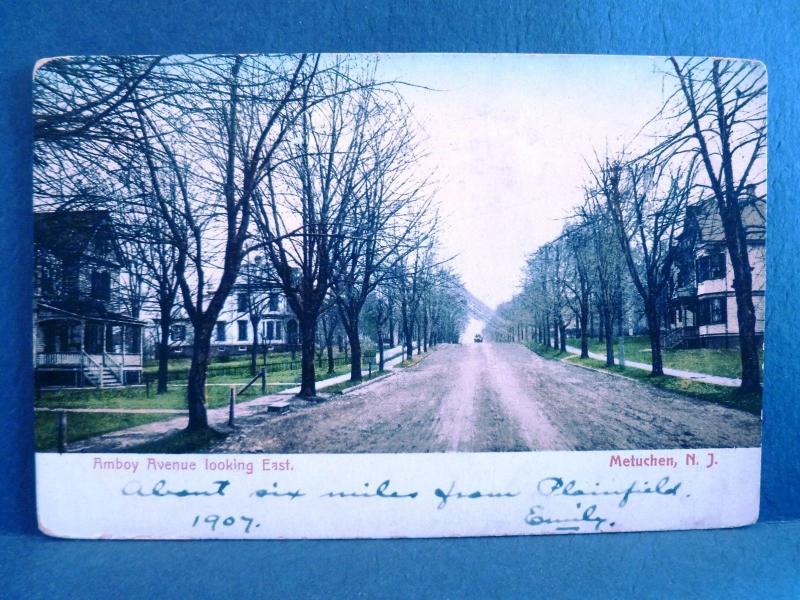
<point x="398" y="253"/>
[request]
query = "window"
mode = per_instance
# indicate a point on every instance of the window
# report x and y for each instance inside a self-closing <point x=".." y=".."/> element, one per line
<point x="133" y="342"/>
<point x="221" y="331"/>
<point x="111" y="338"/>
<point x="51" y="337"/>
<point x="178" y="333"/>
<point x="270" y="330"/>
<point x="242" y="330"/>
<point x="684" y="276"/>
<point x="278" y="335"/>
<point x="273" y="302"/>
<point x="711" y="267"/>
<point x="712" y="311"/>
<point x="101" y="285"/>
<point x="241" y="303"/>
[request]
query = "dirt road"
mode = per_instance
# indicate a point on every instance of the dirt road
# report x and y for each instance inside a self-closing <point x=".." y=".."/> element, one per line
<point x="496" y="397"/>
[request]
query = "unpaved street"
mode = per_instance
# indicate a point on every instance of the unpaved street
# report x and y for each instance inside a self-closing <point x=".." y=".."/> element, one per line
<point x="496" y="397"/>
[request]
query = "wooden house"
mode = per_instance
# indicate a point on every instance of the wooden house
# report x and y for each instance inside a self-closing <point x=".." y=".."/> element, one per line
<point x="702" y="304"/>
<point x="81" y="336"/>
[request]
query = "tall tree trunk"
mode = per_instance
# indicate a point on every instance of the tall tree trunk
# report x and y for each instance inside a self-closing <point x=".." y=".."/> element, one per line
<point x="746" y="316"/>
<point x="654" y="330"/>
<point x="608" y="330"/>
<point x="254" y="346"/>
<point x="196" y="385"/>
<point x="391" y="328"/>
<point x="584" y="317"/>
<point x="348" y="317"/>
<point x="601" y="333"/>
<point x="555" y="333"/>
<point x="308" y="326"/>
<point x="380" y="350"/>
<point x="355" y="350"/>
<point x="547" y="330"/>
<point x="163" y="355"/>
<point x="425" y="332"/>
<point x="736" y="242"/>
<point x="331" y="362"/>
<point x="562" y="327"/>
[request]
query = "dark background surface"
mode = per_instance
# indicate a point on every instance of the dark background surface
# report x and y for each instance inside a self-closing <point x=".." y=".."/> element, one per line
<point x="734" y="563"/>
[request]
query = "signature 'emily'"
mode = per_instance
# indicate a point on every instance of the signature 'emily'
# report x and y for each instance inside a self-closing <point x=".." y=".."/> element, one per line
<point x="555" y="486"/>
<point x="159" y="489"/>
<point x="534" y="519"/>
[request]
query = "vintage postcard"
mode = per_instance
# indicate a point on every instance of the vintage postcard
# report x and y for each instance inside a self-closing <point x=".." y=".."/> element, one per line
<point x="397" y="295"/>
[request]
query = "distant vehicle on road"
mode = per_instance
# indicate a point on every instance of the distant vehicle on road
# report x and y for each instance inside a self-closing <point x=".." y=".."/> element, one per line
<point x="478" y="338"/>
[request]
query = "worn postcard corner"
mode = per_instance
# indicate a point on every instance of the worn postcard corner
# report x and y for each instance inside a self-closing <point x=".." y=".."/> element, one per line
<point x="397" y="295"/>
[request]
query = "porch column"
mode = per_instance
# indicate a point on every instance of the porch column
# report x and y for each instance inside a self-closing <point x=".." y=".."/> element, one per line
<point x="103" y="352"/>
<point x="122" y="366"/>
<point x="82" y="329"/>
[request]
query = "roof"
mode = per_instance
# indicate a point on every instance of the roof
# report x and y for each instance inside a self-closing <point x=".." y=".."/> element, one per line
<point x="703" y="220"/>
<point x="67" y="234"/>
<point x="88" y="310"/>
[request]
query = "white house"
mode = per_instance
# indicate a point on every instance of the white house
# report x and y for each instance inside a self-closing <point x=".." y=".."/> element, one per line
<point x="256" y="301"/>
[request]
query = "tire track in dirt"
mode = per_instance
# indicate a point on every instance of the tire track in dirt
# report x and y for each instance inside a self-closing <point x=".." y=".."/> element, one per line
<point x="496" y="397"/>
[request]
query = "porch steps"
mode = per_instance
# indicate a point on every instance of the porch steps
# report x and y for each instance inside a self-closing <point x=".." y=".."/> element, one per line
<point x="108" y="377"/>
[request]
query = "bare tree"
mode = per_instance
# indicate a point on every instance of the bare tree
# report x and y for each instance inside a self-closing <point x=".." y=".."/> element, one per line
<point x="580" y="281"/>
<point x="645" y="207"/>
<point x="329" y="325"/>
<point x="607" y="271"/>
<point x="719" y="109"/>
<point x="216" y="138"/>
<point x="81" y="99"/>
<point x="389" y="214"/>
<point x="303" y="209"/>
<point x="448" y="307"/>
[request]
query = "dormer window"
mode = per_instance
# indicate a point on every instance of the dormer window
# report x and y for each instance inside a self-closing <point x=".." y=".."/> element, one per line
<point x="101" y="285"/>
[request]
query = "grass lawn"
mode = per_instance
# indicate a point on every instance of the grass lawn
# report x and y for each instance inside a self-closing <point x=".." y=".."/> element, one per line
<point x="238" y="367"/>
<point x="175" y="398"/>
<point x="718" y="394"/>
<point x="81" y="426"/>
<point x="546" y="351"/>
<point x="182" y="364"/>
<point x="180" y="442"/>
<point x="722" y="362"/>
<point x="340" y="387"/>
<point x="413" y="360"/>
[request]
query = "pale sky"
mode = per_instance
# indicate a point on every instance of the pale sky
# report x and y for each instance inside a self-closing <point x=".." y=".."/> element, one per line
<point x="508" y="135"/>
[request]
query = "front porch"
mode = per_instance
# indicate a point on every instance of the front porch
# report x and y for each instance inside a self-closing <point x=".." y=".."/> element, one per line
<point x="73" y="350"/>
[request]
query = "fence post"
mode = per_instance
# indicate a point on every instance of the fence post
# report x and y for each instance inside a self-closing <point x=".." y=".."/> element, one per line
<point x="147" y="386"/>
<point x="370" y="369"/>
<point x="62" y="431"/>
<point x="231" y="404"/>
<point x="263" y="380"/>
